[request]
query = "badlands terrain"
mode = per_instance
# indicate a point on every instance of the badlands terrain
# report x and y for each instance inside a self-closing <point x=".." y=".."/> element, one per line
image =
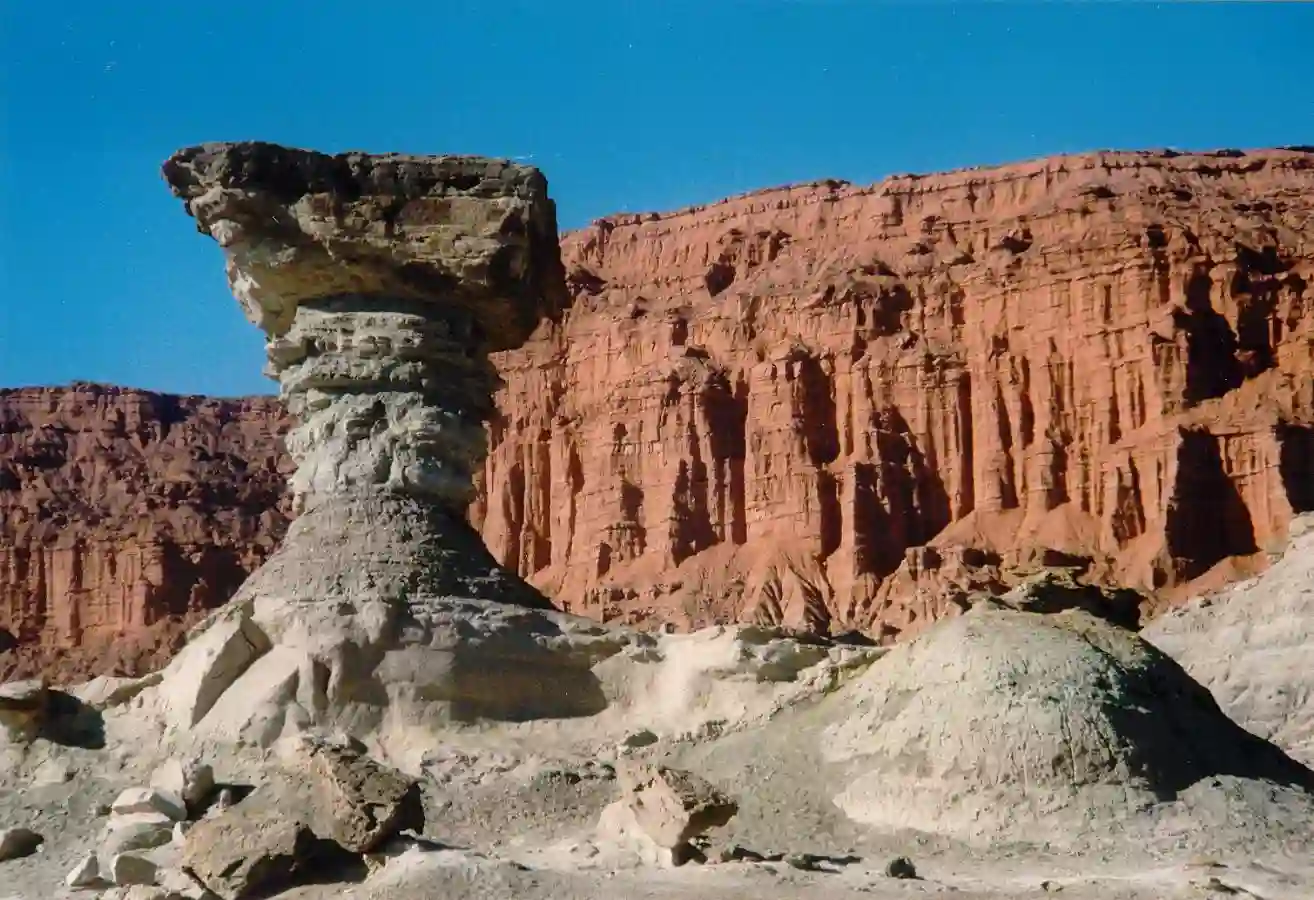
<point x="973" y="508"/>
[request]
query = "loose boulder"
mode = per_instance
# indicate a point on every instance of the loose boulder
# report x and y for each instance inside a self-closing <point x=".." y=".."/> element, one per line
<point x="352" y="800"/>
<point x="330" y="803"/>
<point x="662" y="810"/>
<point x="250" y="848"/>
<point x="150" y="800"/>
<point x="188" y="778"/>
<point x="129" y="868"/>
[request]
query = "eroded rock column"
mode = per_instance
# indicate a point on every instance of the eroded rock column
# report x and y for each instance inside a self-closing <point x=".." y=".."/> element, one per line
<point x="382" y="283"/>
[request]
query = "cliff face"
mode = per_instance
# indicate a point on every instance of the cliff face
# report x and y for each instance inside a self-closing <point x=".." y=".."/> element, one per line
<point x="124" y="514"/>
<point x="840" y="406"/>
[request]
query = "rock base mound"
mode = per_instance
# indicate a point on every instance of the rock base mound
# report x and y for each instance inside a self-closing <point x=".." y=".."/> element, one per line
<point x="1004" y="724"/>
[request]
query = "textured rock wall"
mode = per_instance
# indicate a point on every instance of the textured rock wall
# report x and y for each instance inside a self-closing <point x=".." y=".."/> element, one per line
<point x="840" y="406"/>
<point x="125" y="513"/>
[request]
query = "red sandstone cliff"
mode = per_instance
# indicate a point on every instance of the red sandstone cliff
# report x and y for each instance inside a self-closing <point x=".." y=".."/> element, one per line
<point x="840" y="406"/>
<point x="125" y="513"/>
<point x="825" y="405"/>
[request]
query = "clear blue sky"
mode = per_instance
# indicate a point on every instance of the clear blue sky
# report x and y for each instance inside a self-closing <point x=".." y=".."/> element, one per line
<point x="624" y="104"/>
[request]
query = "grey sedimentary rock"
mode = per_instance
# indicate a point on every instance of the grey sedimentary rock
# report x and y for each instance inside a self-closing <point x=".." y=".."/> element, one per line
<point x="382" y="283"/>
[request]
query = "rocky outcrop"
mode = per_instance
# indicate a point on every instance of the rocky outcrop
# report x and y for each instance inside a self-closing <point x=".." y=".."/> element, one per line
<point x="381" y="283"/>
<point x="124" y="515"/>
<point x="841" y="406"/>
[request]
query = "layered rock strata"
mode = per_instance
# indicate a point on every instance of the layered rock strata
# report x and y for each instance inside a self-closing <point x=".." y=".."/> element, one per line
<point x="382" y="283"/>
<point x="842" y="406"/>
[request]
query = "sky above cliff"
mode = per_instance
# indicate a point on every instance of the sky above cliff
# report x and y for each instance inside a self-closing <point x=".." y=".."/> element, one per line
<point x="625" y="105"/>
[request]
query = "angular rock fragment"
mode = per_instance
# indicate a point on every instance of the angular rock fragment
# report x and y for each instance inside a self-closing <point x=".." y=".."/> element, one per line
<point x="85" y="874"/>
<point x="129" y="868"/>
<point x="662" y="810"/>
<point x="138" y="831"/>
<point x="672" y="805"/>
<point x="249" y="848"/>
<point x="188" y="778"/>
<point x="350" y="799"/>
<point x="138" y="801"/>
<point x="331" y="800"/>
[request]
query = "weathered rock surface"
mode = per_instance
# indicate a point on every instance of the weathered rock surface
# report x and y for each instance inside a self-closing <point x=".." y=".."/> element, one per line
<point x="1008" y="725"/>
<point x="237" y="854"/>
<point x="124" y="514"/>
<point x="328" y="800"/>
<point x="382" y="284"/>
<point x="662" y="809"/>
<point x="838" y="406"/>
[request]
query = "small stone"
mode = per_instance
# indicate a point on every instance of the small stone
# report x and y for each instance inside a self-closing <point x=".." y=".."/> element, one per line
<point x="85" y="874"/>
<point x="180" y="830"/>
<point x="221" y="802"/>
<point x="900" y="867"/>
<point x="140" y="831"/>
<point x="187" y="778"/>
<point x="127" y="868"/>
<point x="15" y="843"/>
<point x="150" y="800"/>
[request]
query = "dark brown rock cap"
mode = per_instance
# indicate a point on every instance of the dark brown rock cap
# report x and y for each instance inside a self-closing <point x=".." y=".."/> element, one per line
<point x="305" y="225"/>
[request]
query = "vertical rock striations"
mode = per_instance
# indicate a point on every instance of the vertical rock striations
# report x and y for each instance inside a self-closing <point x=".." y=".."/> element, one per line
<point x="125" y="515"/>
<point x="381" y="283"/>
<point x="844" y="406"/>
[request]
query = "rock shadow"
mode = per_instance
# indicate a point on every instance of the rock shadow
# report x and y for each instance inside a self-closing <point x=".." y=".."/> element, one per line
<point x="71" y="723"/>
<point x="1178" y="736"/>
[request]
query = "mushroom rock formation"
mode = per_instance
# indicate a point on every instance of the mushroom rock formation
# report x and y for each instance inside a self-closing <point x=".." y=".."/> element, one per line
<point x="382" y="282"/>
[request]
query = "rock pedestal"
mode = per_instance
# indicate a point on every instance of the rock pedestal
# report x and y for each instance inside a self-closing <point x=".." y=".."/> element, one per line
<point x="381" y="283"/>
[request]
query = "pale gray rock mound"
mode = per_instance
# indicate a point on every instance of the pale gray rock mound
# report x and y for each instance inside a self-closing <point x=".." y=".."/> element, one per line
<point x="1064" y="728"/>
